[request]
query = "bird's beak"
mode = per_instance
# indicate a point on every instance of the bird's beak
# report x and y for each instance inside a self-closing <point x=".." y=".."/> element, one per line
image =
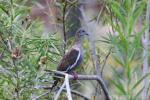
<point x="86" y="34"/>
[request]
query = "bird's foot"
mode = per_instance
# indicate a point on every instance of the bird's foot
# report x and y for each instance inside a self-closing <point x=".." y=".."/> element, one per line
<point x="75" y="75"/>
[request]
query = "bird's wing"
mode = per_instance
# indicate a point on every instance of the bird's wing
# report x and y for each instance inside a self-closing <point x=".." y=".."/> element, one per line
<point x="69" y="60"/>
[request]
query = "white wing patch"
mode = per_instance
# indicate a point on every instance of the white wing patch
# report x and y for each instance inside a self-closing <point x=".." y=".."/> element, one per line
<point x="70" y="67"/>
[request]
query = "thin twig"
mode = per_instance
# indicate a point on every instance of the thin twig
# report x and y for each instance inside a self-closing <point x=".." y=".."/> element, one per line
<point x="60" y="90"/>
<point x="78" y="94"/>
<point x="64" y="24"/>
<point x="72" y="2"/>
<point x="100" y="12"/>
<point x="91" y="44"/>
<point x="64" y="90"/>
<point x="111" y="18"/>
<point x="105" y="61"/>
<point x="68" y="87"/>
<point x="93" y="53"/>
<point x="41" y="95"/>
<point x="145" y="42"/>
<point x="97" y="90"/>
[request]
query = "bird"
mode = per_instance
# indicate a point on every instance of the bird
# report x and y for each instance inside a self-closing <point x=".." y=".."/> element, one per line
<point x="73" y="58"/>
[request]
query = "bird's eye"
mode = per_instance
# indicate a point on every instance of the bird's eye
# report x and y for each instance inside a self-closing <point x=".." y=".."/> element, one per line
<point x="83" y="31"/>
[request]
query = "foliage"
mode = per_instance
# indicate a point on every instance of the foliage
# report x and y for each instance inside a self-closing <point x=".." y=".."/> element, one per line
<point x="127" y="47"/>
<point x="25" y="54"/>
<point x="22" y="49"/>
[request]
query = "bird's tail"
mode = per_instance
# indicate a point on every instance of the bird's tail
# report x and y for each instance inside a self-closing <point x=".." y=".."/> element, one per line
<point x="56" y="80"/>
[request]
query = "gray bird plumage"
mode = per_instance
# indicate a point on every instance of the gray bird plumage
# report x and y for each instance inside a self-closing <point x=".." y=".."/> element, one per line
<point x="73" y="57"/>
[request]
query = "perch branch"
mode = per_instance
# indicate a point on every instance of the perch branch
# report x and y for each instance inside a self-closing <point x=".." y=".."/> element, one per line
<point x="88" y="77"/>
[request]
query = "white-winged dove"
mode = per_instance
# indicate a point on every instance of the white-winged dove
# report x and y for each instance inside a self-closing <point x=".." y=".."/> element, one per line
<point x="73" y="57"/>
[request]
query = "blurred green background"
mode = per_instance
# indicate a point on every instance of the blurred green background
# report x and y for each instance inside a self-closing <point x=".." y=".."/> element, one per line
<point x="32" y="40"/>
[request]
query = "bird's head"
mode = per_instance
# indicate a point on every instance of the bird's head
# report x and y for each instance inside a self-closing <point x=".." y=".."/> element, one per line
<point x="81" y="33"/>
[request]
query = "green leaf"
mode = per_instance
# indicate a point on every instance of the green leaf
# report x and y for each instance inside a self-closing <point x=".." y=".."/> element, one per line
<point x="120" y="87"/>
<point x="140" y="80"/>
<point x="116" y="73"/>
<point x="137" y="40"/>
<point x="55" y="48"/>
<point x="138" y="94"/>
<point x="3" y="9"/>
<point x="138" y="10"/>
<point x="116" y="9"/>
<point x="131" y="56"/>
<point x="118" y="56"/>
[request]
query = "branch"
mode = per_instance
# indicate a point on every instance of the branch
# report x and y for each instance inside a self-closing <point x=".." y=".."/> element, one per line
<point x="37" y="98"/>
<point x="60" y="90"/>
<point x="95" y="60"/>
<point x="64" y="90"/>
<point x="105" y="61"/>
<point x="88" y="77"/>
<point x="91" y="44"/>
<point x="64" y="26"/>
<point x="66" y="83"/>
<point x="78" y="94"/>
<point x="68" y="87"/>
<point x="145" y="42"/>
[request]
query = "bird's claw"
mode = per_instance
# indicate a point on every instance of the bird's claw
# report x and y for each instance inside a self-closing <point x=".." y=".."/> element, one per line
<point x="75" y="75"/>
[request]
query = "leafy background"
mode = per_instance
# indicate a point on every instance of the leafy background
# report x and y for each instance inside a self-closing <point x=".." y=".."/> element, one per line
<point x="25" y="53"/>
